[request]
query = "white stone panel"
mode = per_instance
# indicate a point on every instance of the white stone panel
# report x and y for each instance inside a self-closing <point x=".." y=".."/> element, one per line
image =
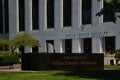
<point x="28" y="16"/>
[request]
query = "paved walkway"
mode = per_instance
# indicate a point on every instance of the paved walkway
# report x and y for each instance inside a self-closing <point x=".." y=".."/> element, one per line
<point x="17" y="67"/>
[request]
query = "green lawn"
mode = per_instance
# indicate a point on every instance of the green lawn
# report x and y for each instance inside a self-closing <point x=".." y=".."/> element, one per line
<point x="112" y="67"/>
<point x="48" y="75"/>
<point x="62" y="75"/>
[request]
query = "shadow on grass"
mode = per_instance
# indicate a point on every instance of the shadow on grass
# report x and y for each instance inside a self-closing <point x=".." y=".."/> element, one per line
<point x="94" y="74"/>
<point x="112" y="74"/>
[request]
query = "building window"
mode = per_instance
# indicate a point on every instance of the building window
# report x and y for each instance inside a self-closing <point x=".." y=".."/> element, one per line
<point x="50" y="13"/>
<point x="1" y="17"/>
<point x="6" y="16"/>
<point x="86" y="12"/>
<point x="87" y="42"/>
<point x="108" y="16"/>
<point x="35" y="14"/>
<point x="110" y="44"/>
<point x="35" y="49"/>
<point x="67" y="13"/>
<point x="50" y="46"/>
<point x="21" y="15"/>
<point x="68" y="46"/>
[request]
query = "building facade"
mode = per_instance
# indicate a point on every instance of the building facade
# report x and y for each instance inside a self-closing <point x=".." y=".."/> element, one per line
<point x="61" y="26"/>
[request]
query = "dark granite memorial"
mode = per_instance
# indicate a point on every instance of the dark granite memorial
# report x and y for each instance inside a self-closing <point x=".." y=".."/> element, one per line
<point x="62" y="61"/>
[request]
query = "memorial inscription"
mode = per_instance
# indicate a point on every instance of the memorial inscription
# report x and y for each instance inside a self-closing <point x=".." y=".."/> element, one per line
<point x="58" y="61"/>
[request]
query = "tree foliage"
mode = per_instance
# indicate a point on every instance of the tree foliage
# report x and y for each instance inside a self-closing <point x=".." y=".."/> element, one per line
<point x="112" y="6"/>
<point x="117" y="53"/>
<point x="24" y="40"/>
<point x="4" y="43"/>
<point x="19" y="41"/>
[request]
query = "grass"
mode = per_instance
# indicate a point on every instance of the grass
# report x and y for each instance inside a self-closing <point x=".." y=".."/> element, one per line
<point x="47" y="75"/>
<point x="59" y="75"/>
<point x="108" y="74"/>
<point x="112" y="67"/>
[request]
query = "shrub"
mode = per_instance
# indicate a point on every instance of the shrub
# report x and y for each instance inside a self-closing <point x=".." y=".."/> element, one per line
<point x="10" y="58"/>
<point x="7" y="56"/>
<point x="117" y="53"/>
<point x="5" y="53"/>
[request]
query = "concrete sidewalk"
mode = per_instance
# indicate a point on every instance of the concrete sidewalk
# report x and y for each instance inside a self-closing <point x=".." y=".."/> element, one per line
<point x="17" y="67"/>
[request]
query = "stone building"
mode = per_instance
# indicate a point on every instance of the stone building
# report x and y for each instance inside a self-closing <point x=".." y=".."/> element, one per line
<point x="61" y="26"/>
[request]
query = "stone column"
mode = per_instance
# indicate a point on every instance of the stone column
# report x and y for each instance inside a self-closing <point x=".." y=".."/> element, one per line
<point x="76" y="13"/>
<point x="58" y="14"/>
<point x="13" y="18"/>
<point x="58" y="46"/>
<point x="28" y="16"/>
<point x="42" y="47"/>
<point x="101" y="6"/>
<point x="95" y="9"/>
<point x="81" y="45"/>
<point x="117" y="42"/>
<point x="28" y="20"/>
<point x="77" y="46"/>
<point x="42" y="15"/>
<point x="102" y="45"/>
<point x="97" y="46"/>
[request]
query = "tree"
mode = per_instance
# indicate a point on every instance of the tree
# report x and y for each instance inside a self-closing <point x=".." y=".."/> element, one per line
<point x="112" y="6"/>
<point x="19" y="41"/>
<point x="22" y="40"/>
<point x="3" y="43"/>
<point x="117" y="54"/>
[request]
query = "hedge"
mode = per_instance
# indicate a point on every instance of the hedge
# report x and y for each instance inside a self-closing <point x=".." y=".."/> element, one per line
<point x="14" y="59"/>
